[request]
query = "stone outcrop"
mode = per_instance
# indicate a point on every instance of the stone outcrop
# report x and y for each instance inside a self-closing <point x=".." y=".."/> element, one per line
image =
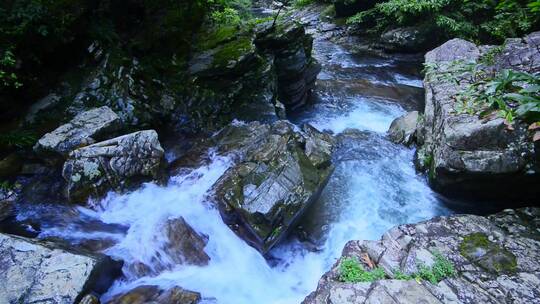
<point x="84" y="129"/>
<point x="495" y="259"/>
<point x="403" y="129"/>
<point x="279" y="172"/>
<point x="157" y="295"/>
<point x="295" y="68"/>
<point x="471" y="156"/>
<point x="117" y="163"/>
<point x="39" y="272"/>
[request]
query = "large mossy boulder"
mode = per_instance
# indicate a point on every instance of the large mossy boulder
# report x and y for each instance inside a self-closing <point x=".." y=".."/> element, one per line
<point x="41" y="272"/>
<point x="279" y="173"/>
<point x="115" y="164"/>
<point x="495" y="260"/>
<point x="472" y="156"/>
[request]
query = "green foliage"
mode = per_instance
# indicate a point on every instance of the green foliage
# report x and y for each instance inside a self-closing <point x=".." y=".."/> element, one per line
<point x="477" y="20"/>
<point x="227" y="16"/>
<point x="8" y="78"/>
<point x="302" y="3"/>
<point x="513" y="94"/>
<point x="351" y="271"/>
<point x="442" y="268"/>
<point x="18" y="139"/>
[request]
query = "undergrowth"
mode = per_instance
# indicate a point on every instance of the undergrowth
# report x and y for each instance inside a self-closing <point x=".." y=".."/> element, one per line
<point x="507" y="93"/>
<point x="351" y="271"/>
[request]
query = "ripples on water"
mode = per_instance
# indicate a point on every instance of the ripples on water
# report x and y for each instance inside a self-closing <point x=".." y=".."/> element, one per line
<point x="373" y="188"/>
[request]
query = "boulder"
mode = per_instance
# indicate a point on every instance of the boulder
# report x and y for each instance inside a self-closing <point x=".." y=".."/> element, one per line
<point x="147" y="294"/>
<point x="119" y="163"/>
<point x="406" y="39"/>
<point x="495" y="260"/>
<point x="84" y="129"/>
<point x="279" y="173"/>
<point x="470" y="156"/>
<point x="182" y="246"/>
<point x="403" y="129"/>
<point x="40" y="272"/>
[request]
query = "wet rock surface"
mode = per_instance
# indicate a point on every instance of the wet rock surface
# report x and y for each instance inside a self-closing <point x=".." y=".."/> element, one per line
<point x="117" y="164"/>
<point x="495" y="258"/>
<point x="41" y="272"/>
<point x="403" y="129"/>
<point x="279" y="173"/>
<point x="84" y="129"/>
<point x="471" y="156"/>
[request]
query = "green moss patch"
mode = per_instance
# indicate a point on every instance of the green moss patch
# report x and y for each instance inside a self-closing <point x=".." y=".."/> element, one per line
<point x="478" y="249"/>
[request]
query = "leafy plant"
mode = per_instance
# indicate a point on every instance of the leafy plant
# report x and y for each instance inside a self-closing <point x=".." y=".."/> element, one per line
<point x="302" y="3"/>
<point x="479" y="20"/>
<point x="442" y="268"/>
<point x="351" y="271"/>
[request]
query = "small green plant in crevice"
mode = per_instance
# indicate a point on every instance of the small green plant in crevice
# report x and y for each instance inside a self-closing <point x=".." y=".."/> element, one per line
<point x="441" y="269"/>
<point x="351" y="271"/>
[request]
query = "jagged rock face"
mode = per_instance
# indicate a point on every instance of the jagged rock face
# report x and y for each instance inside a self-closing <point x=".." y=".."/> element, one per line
<point x="84" y="129"/>
<point x="117" y="163"/>
<point x="495" y="257"/>
<point x="471" y="156"/>
<point x="403" y="129"/>
<point x="295" y="68"/>
<point x="154" y="294"/>
<point x="38" y="272"/>
<point x="280" y="172"/>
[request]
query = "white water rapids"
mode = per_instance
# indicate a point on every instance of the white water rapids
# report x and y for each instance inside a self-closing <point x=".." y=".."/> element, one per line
<point x="373" y="188"/>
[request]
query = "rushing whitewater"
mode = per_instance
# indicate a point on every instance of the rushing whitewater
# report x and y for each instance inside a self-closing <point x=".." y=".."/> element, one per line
<point x="373" y="188"/>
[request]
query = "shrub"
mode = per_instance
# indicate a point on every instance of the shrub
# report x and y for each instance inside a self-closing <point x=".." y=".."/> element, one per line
<point x="487" y="21"/>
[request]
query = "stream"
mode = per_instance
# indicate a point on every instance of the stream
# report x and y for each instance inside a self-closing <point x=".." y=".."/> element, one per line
<point x="373" y="188"/>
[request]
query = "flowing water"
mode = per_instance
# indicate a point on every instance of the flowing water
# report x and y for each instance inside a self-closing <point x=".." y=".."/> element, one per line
<point x="373" y="188"/>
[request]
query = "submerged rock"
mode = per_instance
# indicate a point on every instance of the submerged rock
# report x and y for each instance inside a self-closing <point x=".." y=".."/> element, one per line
<point x="84" y="129"/>
<point x="280" y="172"/>
<point x="467" y="155"/>
<point x="403" y="129"/>
<point x="147" y="294"/>
<point x="495" y="260"/>
<point x="182" y="245"/>
<point x="185" y="245"/>
<point x="117" y="164"/>
<point x="40" y="272"/>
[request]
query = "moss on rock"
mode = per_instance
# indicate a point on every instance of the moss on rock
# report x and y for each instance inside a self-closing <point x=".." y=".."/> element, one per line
<point x="478" y="249"/>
